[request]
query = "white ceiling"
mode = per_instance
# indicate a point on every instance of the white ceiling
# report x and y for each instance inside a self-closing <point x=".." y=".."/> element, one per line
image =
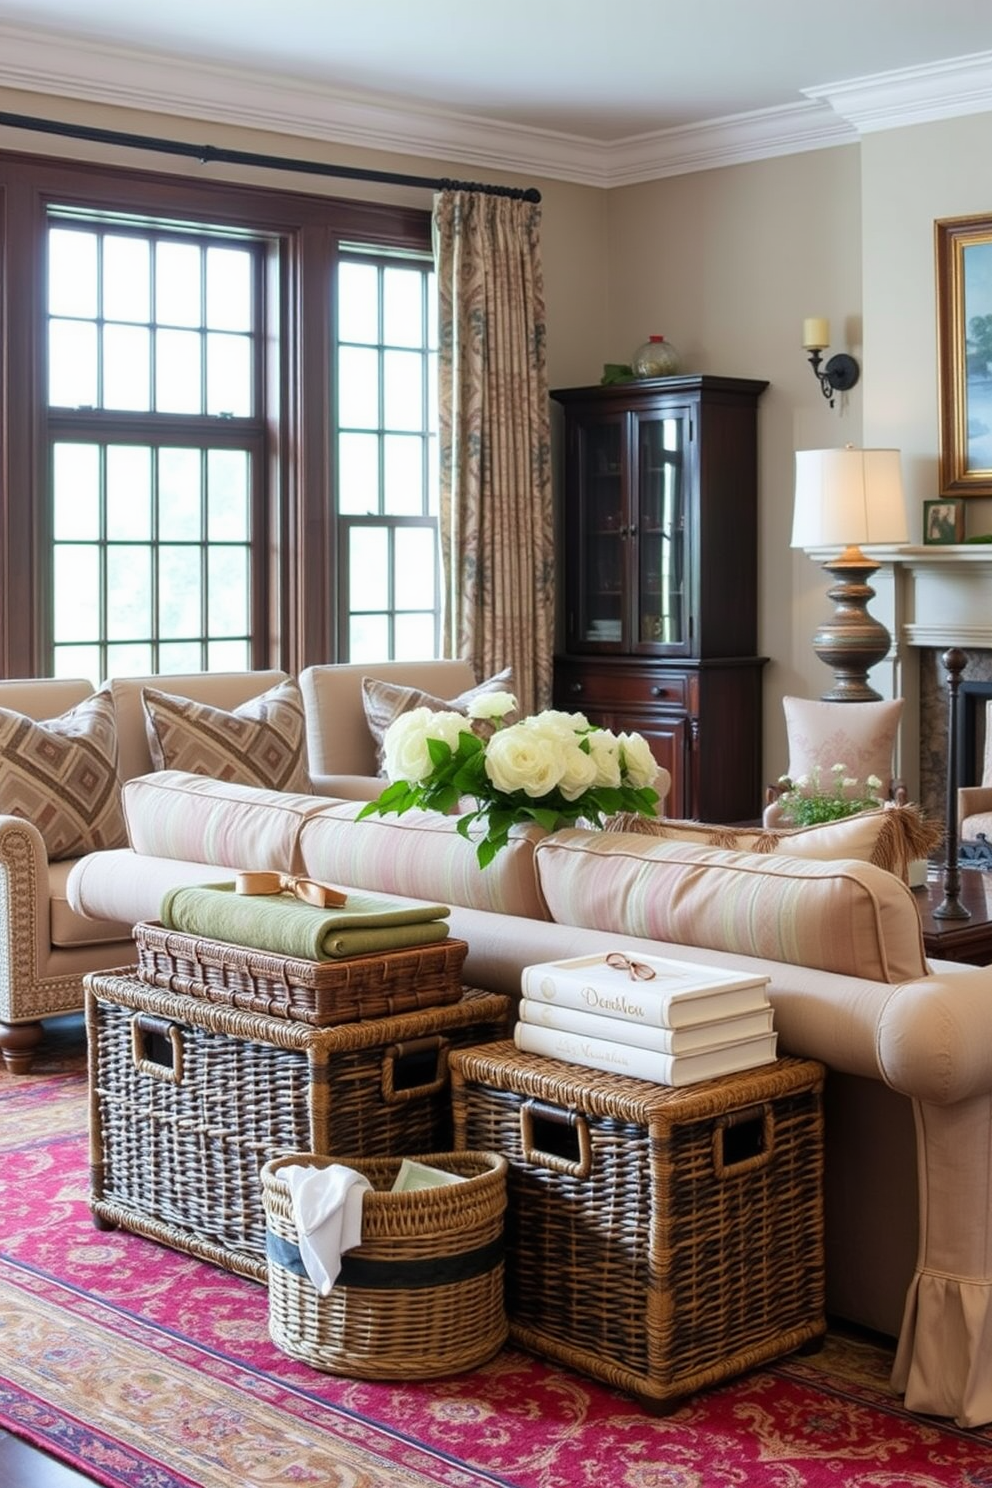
<point x="583" y="90"/>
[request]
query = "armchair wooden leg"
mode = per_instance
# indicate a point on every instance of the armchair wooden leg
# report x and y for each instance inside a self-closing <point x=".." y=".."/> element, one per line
<point x="18" y="1041"/>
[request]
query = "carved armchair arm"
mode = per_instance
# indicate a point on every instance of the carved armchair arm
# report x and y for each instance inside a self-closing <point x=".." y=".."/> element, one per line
<point x="25" y="915"/>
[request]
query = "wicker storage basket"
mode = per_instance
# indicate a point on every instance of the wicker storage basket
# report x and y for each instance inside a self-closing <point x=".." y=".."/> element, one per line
<point x="319" y="992"/>
<point x="658" y="1238"/>
<point x="421" y="1296"/>
<point x="189" y="1099"/>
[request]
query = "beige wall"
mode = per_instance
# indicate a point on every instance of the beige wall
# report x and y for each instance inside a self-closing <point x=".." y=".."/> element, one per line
<point x="726" y="263"/>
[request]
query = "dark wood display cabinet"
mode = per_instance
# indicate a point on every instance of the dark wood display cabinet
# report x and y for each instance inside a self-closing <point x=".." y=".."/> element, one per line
<point x="658" y="515"/>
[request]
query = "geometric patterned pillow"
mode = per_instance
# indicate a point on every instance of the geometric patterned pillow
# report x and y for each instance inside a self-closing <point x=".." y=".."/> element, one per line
<point x="263" y="742"/>
<point x="61" y="775"/>
<point x="384" y="702"/>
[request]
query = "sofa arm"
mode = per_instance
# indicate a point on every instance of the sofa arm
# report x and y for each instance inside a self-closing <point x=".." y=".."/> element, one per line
<point x="25" y="913"/>
<point x="934" y="1035"/>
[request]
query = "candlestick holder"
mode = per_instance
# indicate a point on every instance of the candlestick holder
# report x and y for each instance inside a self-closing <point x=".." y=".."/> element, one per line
<point x="839" y="375"/>
<point x="950" y="907"/>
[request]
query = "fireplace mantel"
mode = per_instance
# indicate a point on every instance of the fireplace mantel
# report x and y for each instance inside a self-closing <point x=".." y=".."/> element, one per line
<point x="937" y="596"/>
<point x="930" y="598"/>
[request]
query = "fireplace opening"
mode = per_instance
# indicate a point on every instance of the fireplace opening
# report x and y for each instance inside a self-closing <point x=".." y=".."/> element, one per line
<point x="971" y="716"/>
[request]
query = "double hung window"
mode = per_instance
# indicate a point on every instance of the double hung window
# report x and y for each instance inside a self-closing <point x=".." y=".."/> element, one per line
<point x="220" y="418"/>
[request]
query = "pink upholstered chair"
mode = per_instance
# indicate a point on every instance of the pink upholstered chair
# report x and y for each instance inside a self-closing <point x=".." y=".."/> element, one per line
<point x="821" y="734"/>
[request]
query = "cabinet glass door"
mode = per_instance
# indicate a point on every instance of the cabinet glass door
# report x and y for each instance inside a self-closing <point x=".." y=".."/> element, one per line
<point x="602" y="532"/>
<point x="661" y="547"/>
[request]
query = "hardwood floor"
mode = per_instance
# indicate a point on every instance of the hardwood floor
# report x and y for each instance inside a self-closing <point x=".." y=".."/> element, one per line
<point x="23" y="1466"/>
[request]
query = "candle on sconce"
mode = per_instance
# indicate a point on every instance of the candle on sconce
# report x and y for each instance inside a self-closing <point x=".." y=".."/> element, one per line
<point x="816" y="334"/>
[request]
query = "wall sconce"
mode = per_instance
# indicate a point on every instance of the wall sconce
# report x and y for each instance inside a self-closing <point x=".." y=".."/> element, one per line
<point x="841" y="372"/>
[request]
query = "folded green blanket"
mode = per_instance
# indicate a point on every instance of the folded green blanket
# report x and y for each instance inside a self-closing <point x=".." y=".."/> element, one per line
<point x="288" y="927"/>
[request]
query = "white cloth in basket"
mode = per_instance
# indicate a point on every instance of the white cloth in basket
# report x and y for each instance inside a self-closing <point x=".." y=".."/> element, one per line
<point x="327" y="1210"/>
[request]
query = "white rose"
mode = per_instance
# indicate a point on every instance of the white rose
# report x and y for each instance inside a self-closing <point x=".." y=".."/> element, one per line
<point x="524" y="758"/>
<point x="639" y="764"/>
<point x="579" y="774"/>
<point x="405" y="752"/>
<point x="604" y="748"/>
<point x="555" y="722"/>
<point x="492" y="705"/>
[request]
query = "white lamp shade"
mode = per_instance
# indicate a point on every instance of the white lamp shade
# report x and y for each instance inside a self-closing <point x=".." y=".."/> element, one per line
<point x="848" y="496"/>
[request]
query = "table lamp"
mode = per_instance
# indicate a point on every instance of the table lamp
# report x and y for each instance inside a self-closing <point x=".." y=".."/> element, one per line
<point x="843" y="498"/>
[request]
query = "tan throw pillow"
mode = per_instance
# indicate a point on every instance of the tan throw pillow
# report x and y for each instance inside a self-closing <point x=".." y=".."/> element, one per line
<point x="891" y="837"/>
<point x="61" y="775"/>
<point x="263" y="742"/>
<point x="385" y="701"/>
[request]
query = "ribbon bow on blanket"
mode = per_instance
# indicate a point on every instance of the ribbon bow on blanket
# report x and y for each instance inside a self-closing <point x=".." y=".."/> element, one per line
<point x="310" y="890"/>
<point x="639" y="970"/>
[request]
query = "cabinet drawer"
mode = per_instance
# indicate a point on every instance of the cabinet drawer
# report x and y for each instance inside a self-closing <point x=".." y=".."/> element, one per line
<point x="577" y="687"/>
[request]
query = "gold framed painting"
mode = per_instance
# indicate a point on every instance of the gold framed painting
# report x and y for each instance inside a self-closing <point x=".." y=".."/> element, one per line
<point x="964" y="354"/>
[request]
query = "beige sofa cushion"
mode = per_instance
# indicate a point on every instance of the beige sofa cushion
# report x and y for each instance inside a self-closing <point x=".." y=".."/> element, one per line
<point x="422" y="854"/>
<point x="60" y="774"/>
<point x="892" y="837"/>
<point x="338" y="738"/>
<point x="841" y="916"/>
<point x="68" y="928"/>
<point x="193" y="817"/>
<point x="261" y="742"/>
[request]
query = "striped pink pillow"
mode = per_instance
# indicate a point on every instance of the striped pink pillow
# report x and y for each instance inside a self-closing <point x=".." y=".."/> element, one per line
<point x="422" y="854"/>
<point x="843" y="916"/>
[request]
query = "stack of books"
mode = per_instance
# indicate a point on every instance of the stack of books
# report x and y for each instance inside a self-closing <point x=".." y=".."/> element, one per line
<point x="672" y="1022"/>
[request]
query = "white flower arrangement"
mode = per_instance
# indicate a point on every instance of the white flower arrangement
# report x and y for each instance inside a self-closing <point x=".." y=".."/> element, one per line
<point x="806" y="801"/>
<point x="553" y="768"/>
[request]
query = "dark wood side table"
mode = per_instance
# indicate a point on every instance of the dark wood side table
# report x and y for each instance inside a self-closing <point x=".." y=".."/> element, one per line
<point x="958" y="940"/>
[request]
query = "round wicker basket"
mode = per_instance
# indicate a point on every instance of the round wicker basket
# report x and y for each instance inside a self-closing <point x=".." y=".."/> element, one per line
<point x="420" y="1297"/>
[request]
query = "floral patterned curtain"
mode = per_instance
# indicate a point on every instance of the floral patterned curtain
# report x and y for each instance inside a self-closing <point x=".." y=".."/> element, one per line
<point x="497" y="541"/>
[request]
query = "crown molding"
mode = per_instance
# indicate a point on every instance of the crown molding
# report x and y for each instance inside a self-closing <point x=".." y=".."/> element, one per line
<point x="733" y="140"/>
<point x="833" y="114"/>
<point x="914" y="95"/>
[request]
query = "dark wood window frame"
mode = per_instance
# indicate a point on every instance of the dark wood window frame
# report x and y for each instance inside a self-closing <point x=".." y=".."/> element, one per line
<point x="295" y="611"/>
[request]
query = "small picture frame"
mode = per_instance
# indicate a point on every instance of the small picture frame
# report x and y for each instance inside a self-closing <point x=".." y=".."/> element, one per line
<point x="943" y="520"/>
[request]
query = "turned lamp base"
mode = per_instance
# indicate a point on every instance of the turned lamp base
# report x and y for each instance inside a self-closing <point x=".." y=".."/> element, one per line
<point x="851" y="641"/>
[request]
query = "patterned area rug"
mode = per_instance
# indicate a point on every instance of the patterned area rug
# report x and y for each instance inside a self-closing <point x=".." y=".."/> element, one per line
<point x="145" y="1368"/>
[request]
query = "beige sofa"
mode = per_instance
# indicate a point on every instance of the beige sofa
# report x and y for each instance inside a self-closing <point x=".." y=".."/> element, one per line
<point x="909" y="1090"/>
<point x="46" y="948"/>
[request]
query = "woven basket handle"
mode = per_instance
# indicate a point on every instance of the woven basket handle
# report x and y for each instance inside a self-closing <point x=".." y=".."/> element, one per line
<point x="556" y="1139"/>
<point x="414" y="1069"/>
<point x="743" y="1141"/>
<point x="157" y="1047"/>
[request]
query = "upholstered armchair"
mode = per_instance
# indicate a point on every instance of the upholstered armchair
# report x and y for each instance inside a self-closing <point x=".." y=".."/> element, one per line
<point x="975" y="801"/>
<point x="59" y="800"/>
<point x="821" y="734"/>
<point x="45" y="949"/>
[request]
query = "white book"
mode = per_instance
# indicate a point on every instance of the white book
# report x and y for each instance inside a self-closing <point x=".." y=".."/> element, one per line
<point x="679" y="994"/>
<point x="646" y="1064"/>
<point x="647" y="1036"/>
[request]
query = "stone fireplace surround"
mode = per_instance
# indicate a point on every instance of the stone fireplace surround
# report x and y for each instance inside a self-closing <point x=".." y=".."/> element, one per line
<point x="932" y="598"/>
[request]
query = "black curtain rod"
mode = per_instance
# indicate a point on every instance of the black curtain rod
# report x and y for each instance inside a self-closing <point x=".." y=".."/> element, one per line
<point x="207" y="153"/>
